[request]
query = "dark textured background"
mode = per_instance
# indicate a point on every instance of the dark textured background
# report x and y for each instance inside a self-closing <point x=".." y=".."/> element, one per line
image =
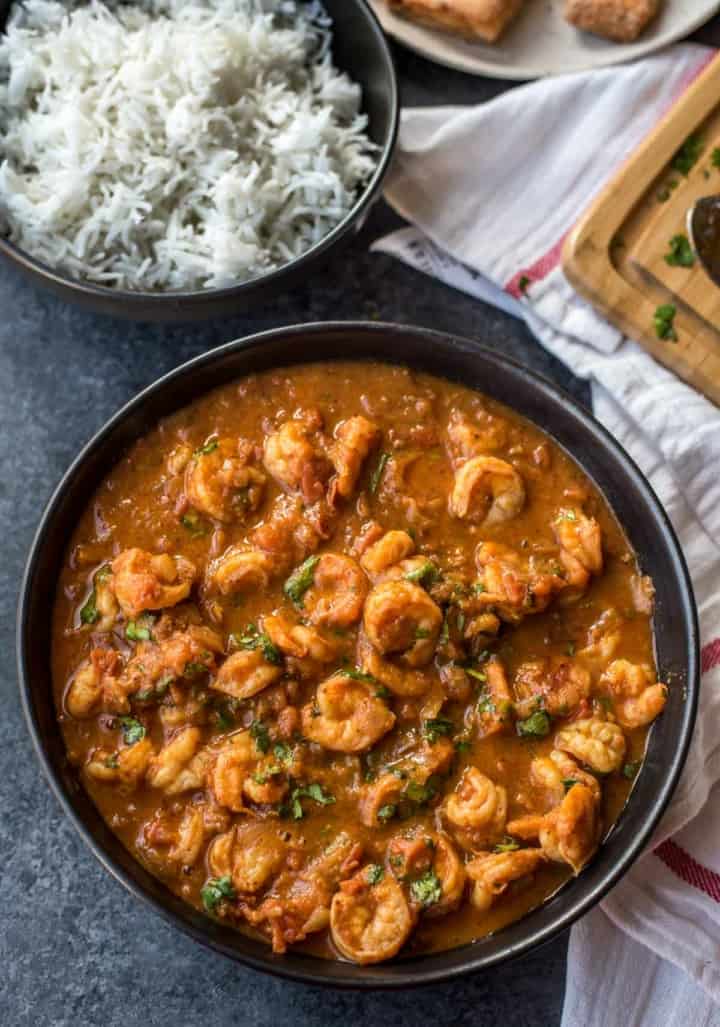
<point x="75" y="949"/>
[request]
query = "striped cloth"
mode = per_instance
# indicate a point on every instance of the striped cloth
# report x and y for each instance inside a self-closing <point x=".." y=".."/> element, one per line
<point x="491" y="193"/>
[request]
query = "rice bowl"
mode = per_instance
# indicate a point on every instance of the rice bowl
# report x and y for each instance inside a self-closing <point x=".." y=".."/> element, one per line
<point x="173" y="145"/>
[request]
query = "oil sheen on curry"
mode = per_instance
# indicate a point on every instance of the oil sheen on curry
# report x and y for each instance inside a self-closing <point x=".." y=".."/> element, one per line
<point x="354" y="658"/>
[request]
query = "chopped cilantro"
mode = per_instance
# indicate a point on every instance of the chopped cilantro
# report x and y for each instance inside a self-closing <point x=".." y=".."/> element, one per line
<point x="283" y="752"/>
<point x="420" y="793"/>
<point x="312" y="791"/>
<point x="664" y="322"/>
<point x="567" y="515"/>
<point x="421" y="633"/>
<point x="437" y="726"/>
<point x="568" y="782"/>
<point x="300" y="580"/>
<point x="376" y="476"/>
<point x="537" y="725"/>
<point x="463" y="745"/>
<point x="259" y="734"/>
<point x="426" y="574"/>
<point x="687" y="156"/>
<point x="194" y="670"/>
<point x="215" y="891"/>
<point x="523" y="284"/>
<point x="508" y="844"/>
<point x="386" y="812"/>
<point x="715" y="157"/>
<point x="681" y="252"/>
<point x="254" y="639"/>
<point x="427" y="890"/>
<point x="630" y="770"/>
<point x="111" y="762"/>
<point x="208" y="448"/>
<point x="194" y="523"/>
<point x="374" y="873"/>
<point x="382" y="692"/>
<point x="89" y="612"/>
<point x="133" y="731"/>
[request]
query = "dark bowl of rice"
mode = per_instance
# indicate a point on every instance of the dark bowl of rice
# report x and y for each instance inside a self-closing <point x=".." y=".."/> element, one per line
<point x="218" y="156"/>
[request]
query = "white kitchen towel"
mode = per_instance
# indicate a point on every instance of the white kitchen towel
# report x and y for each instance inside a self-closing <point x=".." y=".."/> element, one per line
<point x="491" y="192"/>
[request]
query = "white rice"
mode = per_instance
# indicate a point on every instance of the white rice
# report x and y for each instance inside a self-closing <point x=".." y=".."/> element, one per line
<point x="175" y="144"/>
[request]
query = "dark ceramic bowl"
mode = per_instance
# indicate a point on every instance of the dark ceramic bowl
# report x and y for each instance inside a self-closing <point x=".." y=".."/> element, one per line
<point x="359" y="47"/>
<point x="631" y="497"/>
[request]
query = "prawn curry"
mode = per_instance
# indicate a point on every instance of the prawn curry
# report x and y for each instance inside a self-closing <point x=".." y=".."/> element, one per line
<point x="354" y="658"/>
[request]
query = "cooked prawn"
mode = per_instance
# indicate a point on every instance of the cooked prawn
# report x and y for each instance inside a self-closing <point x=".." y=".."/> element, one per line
<point x="240" y="569"/>
<point x="142" y="581"/>
<point x="639" y="698"/>
<point x="250" y="854"/>
<point x="570" y="833"/>
<point x="298" y="641"/>
<point x="476" y="810"/>
<point x="370" y="922"/>
<point x="468" y="440"/>
<point x="491" y="873"/>
<point x="240" y="770"/>
<point x="411" y="856"/>
<point x="294" y="457"/>
<point x="580" y="541"/>
<point x="393" y="547"/>
<point x="495" y="709"/>
<point x="487" y="491"/>
<point x="125" y="768"/>
<point x="400" y="680"/>
<point x="169" y="762"/>
<point x="346" y="716"/>
<point x="155" y="666"/>
<point x="560" y="684"/>
<point x="400" y="617"/>
<point x="515" y="584"/>
<point x="220" y="482"/>
<point x="600" y="744"/>
<point x="354" y="439"/>
<point x="337" y="593"/>
<point x="245" y="673"/>
<point x="95" y="685"/>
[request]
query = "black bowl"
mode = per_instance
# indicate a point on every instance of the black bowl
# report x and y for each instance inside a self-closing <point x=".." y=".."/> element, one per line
<point x="647" y="527"/>
<point x="359" y="47"/>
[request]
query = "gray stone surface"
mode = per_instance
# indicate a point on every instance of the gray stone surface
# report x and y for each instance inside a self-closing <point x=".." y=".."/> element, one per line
<point x="74" y="948"/>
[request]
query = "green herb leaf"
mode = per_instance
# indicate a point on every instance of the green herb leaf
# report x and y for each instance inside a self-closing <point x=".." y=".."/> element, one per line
<point x="437" y="726"/>
<point x="427" y="890"/>
<point x="215" y="891"/>
<point x="419" y="793"/>
<point x="715" y="157"/>
<point x="568" y="782"/>
<point x="283" y="752"/>
<point x="374" y="873"/>
<point x="479" y="675"/>
<point x="537" y="725"/>
<point x="376" y="476"/>
<point x="312" y="791"/>
<point x="630" y="770"/>
<point x="89" y="612"/>
<point x="681" y="252"/>
<point x="252" y="638"/>
<point x="111" y="762"/>
<point x="194" y="523"/>
<point x="209" y="447"/>
<point x="426" y="574"/>
<point x="386" y="812"/>
<point x="300" y="580"/>
<point x="688" y="155"/>
<point x="664" y="322"/>
<point x="463" y="745"/>
<point x="132" y="730"/>
<point x="523" y="284"/>
<point x="259" y="734"/>
<point x="508" y="844"/>
<point x="194" y="670"/>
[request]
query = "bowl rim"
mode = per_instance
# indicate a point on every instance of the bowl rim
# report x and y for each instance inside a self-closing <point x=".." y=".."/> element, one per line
<point x="298" y="966"/>
<point x="82" y="289"/>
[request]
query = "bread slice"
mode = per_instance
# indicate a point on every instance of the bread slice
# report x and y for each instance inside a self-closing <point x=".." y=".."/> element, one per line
<point x="474" y="19"/>
<point x="620" y="20"/>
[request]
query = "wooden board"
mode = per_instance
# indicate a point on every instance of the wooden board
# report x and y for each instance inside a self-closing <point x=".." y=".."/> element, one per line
<point x="615" y="255"/>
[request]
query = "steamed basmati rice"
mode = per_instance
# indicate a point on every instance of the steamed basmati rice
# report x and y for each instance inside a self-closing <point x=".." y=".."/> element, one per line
<point x="175" y="144"/>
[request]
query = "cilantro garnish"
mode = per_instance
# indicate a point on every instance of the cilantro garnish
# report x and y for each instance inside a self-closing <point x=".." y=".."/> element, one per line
<point x="681" y="252"/>
<point x="252" y="638"/>
<point x="300" y="580"/>
<point x="508" y="844"/>
<point x="132" y="730"/>
<point x="215" y="891"/>
<point x="376" y="476"/>
<point x="425" y="574"/>
<point x="630" y="770"/>
<point x="687" y="156"/>
<point x="209" y="447"/>
<point x="664" y="322"/>
<point x="427" y="890"/>
<point x="374" y="873"/>
<point x="436" y="727"/>
<point x="537" y="725"/>
<point x="259" y="734"/>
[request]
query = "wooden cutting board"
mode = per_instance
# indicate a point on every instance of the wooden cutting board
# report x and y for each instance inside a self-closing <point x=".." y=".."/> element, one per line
<point x="615" y="256"/>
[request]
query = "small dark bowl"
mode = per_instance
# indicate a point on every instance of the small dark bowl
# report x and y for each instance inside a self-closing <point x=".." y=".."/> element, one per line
<point x="647" y="527"/>
<point x="359" y="47"/>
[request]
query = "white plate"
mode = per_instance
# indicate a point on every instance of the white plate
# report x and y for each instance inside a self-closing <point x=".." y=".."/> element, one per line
<point x="540" y="42"/>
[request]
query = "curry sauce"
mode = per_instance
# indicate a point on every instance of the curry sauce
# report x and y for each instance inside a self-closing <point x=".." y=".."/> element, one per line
<point x="354" y="658"/>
